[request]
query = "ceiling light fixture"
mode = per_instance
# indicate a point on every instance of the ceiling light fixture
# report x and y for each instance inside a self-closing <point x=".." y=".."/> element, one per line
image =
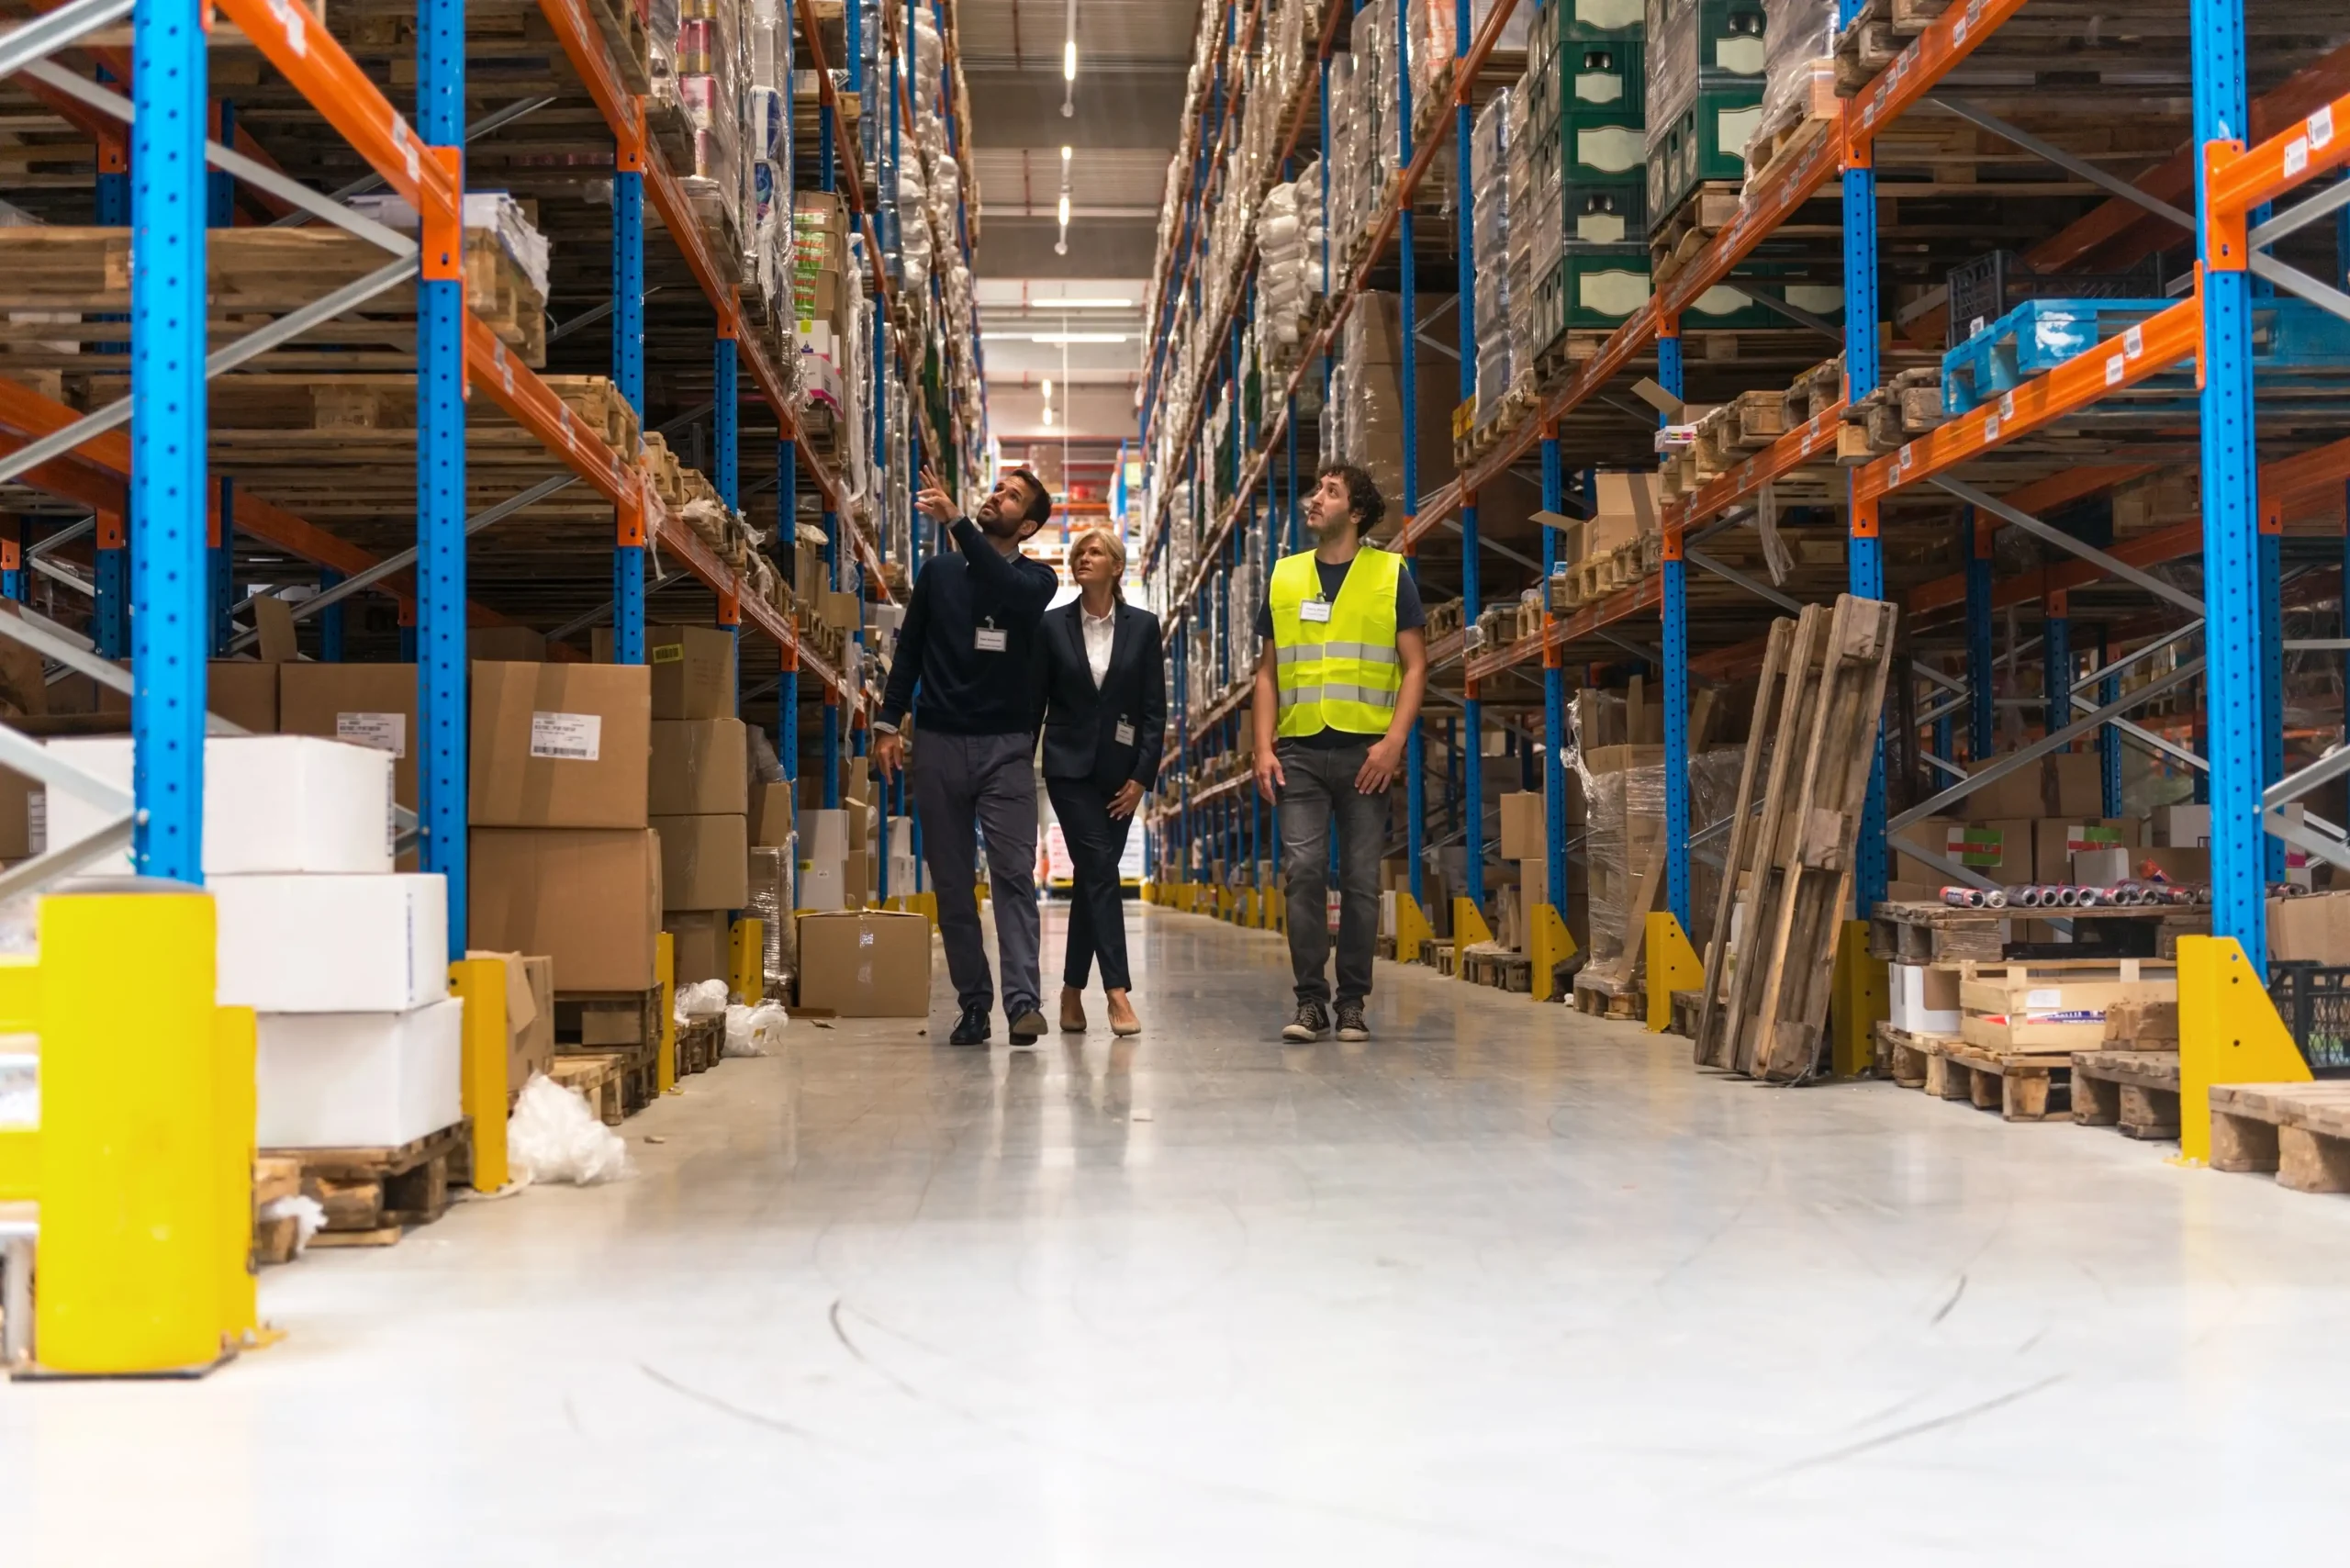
<point x="1069" y="65"/>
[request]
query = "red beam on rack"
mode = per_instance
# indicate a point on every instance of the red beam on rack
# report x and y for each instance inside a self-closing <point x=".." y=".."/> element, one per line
<point x="2153" y="346"/>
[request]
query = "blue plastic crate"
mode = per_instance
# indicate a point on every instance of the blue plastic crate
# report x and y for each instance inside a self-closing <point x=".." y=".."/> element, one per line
<point x="2290" y="337"/>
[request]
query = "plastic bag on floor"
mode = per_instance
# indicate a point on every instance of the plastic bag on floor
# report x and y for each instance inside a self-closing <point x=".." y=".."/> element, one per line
<point x="553" y="1137"/>
<point x="307" y="1215"/>
<point x="755" y="1031"/>
<point x="702" y="999"/>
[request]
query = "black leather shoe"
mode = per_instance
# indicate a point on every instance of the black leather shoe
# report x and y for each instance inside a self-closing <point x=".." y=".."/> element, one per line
<point x="972" y="1028"/>
<point x="1027" y="1025"/>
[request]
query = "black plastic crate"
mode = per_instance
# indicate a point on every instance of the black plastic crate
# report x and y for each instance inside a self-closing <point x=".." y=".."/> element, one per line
<point x="2314" y="1001"/>
<point x="1983" y="290"/>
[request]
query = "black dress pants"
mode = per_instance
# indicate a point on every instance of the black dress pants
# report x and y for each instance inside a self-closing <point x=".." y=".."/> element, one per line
<point x="1097" y="920"/>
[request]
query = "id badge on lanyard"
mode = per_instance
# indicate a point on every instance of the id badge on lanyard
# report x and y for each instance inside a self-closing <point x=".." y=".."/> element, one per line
<point x="1314" y="609"/>
<point x="990" y="638"/>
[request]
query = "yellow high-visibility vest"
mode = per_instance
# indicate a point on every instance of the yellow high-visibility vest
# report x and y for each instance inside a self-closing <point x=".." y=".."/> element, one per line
<point x="1343" y="673"/>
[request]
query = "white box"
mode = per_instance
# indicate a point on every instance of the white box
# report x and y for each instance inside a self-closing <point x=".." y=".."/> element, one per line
<point x="1924" y="1001"/>
<point x="901" y="876"/>
<point x="825" y="833"/>
<point x="327" y="944"/>
<point x="359" y="1080"/>
<point x="2101" y="867"/>
<point x="822" y="884"/>
<point x="272" y="803"/>
<point x="2183" y="827"/>
<point x="902" y="839"/>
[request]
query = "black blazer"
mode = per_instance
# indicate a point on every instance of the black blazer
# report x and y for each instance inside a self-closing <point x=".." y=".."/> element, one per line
<point x="1082" y="724"/>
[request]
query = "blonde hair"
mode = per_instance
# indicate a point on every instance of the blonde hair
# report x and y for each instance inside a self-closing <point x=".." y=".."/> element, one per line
<point x="1108" y="539"/>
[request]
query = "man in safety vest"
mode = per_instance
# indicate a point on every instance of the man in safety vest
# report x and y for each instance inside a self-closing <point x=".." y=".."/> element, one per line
<point x="1339" y="683"/>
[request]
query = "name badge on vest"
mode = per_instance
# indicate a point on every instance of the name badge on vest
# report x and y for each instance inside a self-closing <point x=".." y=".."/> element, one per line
<point x="1124" y="733"/>
<point x="1314" y="609"/>
<point x="990" y="639"/>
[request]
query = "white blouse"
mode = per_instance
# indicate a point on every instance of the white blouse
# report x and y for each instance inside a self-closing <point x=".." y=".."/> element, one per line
<point x="1101" y="635"/>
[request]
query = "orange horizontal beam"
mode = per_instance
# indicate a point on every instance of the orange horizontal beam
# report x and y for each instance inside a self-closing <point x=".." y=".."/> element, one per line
<point x="1815" y="438"/>
<point x="2240" y="181"/>
<point x="2153" y="346"/>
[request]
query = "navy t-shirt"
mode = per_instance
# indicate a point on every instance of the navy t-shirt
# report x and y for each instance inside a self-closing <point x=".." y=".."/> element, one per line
<point x="1409" y="617"/>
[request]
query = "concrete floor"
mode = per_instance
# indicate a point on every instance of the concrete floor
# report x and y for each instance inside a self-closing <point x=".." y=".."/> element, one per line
<point x="1506" y="1286"/>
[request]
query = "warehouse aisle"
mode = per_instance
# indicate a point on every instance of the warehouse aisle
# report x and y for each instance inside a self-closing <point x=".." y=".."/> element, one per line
<point x="1506" y="1286"/>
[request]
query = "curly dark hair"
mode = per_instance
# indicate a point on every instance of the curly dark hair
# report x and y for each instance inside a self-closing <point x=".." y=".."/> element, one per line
<point x="1363" y="498"/>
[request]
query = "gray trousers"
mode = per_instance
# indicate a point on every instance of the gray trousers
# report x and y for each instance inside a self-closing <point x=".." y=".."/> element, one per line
<point x="1320" y="787"/>
<point x="988" y="782"/>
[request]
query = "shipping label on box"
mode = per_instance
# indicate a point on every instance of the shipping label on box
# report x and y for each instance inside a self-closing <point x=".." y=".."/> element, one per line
<point x="560" y="745"/>
<point x="377" y="732"/>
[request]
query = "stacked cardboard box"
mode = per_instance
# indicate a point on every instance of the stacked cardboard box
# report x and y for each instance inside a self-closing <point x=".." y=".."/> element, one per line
<point x="700" y="802"/>
<point x="344" y="960"/>
<point x="564" y="862"/>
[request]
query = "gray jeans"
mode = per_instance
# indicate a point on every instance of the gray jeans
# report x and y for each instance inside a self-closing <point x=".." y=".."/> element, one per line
<point x="1321" y="786"/>
<point x="988" y="782"/>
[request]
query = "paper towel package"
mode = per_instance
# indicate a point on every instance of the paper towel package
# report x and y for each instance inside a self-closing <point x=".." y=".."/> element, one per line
<point x="359" y="1080"/>
<point x="272" y="803"/>
<point x="331" y="944"/>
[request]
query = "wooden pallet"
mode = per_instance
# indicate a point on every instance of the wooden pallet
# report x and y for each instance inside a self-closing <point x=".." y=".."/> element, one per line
<point x="1817" y="713"/>
<point x="1672" y="245"/>
<point x="2134" y="1091"/>
<point x="372" y="1195"/>
<point x="1902" y="1055"/>
<point x="1684" y="1005"/>
<point x="1909" y="932"/>
<point x="2022" y="1087"/>
<point x="701" y="1043"/>
<point x="1503" y="971"/>
<point x="2300" y="1131"/>
<point x="275" y="1176"/>
<point x="625" y="1025"/>
<point x="599" y="1078"/>
<point x="1605" y="997"/>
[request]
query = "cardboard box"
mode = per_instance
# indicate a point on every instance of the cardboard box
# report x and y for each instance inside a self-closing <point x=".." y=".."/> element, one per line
<point x="1932" y="834"/>
<point x="827" y="837"/>
<point x="2001" y="851"/>
<point x="701" y="767"/>
<point x="2055" y="843"/>
<point x="2103" y="868"/>
<point x="589" y="899"/>
<point x="902" y="838"/>
<point x="243" y="692"/>
<point x="272" y="803"/>
<point x="24" y="817"/>
<point x="330" y="943"/>
<point x="2017" y="794"/>
<point x="867" y="964"/>
<point x="692" y="668"/>
<point x="856" y="878"/>
<point x="821" y="884"/>
<point x="506" y="644"/>
<point x="2079" y="778"/>
<point x="2056" y="1010"/>
<point x="369" y="705"/>
<point x="771" y="816"/>
<point x="2315" y="928"/>
<point x="358" y="1080"/>
<point x="560" y="745"/>
<point x="2181" y="827"/>
<point x="2189" y="867"/>
<point x="1924" y="999"/>
<point x="704" y="861"/>
<point x="530" y="1014"/>
<point x="860" y="828"/>
<point x="1523" y="832"/>
<point x="698" y="939"/>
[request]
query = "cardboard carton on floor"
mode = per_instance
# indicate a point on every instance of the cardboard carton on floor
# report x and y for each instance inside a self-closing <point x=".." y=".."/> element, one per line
<point x="587" y="898"/>
<point x="702" y="862"/>
<point x="358" y="1080"/>
<point x="369" y="705"/>
<point x="692" y="669"/>
<point x="864" y="964"/>
<point x="700" y="767"/>
<point x="697" y="943"/>
<point x="560" y="745"/>
<point x="530" y="1014"/>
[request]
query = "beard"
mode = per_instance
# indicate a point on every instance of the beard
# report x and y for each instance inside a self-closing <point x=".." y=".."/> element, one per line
<point x="993" y="522"/>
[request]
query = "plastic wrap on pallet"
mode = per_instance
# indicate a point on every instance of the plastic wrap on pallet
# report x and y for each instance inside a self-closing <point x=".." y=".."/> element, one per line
<point x="1800" y="53"/>
<point x="1489" y="154"/>
<point x="1623" y="794"/>
<point x="495" y="213"/>
<point x="1433" y="42"/>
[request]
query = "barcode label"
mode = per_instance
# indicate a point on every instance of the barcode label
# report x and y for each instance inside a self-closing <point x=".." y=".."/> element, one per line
<point x="566" y="737"/>
<point x="668" y="653"/>
<point x="378" y="732"/>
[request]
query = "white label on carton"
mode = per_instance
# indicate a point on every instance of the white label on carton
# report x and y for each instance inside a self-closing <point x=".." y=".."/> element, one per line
<point x="2044" y="997"/>
<point x="567" y="738"/>
<point x="380" y="731"/>
<point x="37" y="822"/>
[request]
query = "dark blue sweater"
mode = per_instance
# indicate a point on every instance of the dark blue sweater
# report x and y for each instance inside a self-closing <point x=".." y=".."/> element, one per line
<point x="965" y="689"/>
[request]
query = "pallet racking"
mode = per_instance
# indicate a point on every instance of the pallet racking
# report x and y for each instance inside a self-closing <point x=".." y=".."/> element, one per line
<point x="569" y="114"/>
<point x="1942" y="148"/>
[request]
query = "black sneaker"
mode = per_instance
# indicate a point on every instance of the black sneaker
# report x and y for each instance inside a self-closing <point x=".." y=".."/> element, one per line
<point x="972" y="1028"/>
<point x="1311" y="1023"/>
<point x="1027" y="1025"/>
<point x="1350" y="1023"/>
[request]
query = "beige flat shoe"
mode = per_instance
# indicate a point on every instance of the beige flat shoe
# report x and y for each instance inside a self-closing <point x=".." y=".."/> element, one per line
<point x="1127" y="1027"/>
<point x="1072" y="1013"/>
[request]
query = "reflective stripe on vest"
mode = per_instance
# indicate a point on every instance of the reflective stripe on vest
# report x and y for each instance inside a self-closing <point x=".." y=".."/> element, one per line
<point x="1343" y="674"/>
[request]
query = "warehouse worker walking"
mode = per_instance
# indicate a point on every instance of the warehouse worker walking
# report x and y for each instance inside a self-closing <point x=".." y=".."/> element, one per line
<point x="968" y="645"/>
<point x="1340" y="682"/>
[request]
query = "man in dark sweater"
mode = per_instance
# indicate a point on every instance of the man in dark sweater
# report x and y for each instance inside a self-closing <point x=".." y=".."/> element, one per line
<point x="966" y="647"/>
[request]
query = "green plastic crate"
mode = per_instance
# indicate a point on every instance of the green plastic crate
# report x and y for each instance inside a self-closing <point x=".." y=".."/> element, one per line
<point x="1705" y="142"/>
<point x="1586" y="148"/>
<point x="1591" y="288"/>
<point x="1593" y="75"/>
<point x="1564" y="22"/>
<point x="1694" y="45"/>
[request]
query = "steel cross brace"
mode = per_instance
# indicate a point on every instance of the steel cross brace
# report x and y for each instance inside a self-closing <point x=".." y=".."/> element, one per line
<point x="2063" y="541"/>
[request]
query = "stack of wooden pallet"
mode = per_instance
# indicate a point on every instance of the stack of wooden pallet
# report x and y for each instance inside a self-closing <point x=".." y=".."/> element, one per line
<point x="1793" y="829"/>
